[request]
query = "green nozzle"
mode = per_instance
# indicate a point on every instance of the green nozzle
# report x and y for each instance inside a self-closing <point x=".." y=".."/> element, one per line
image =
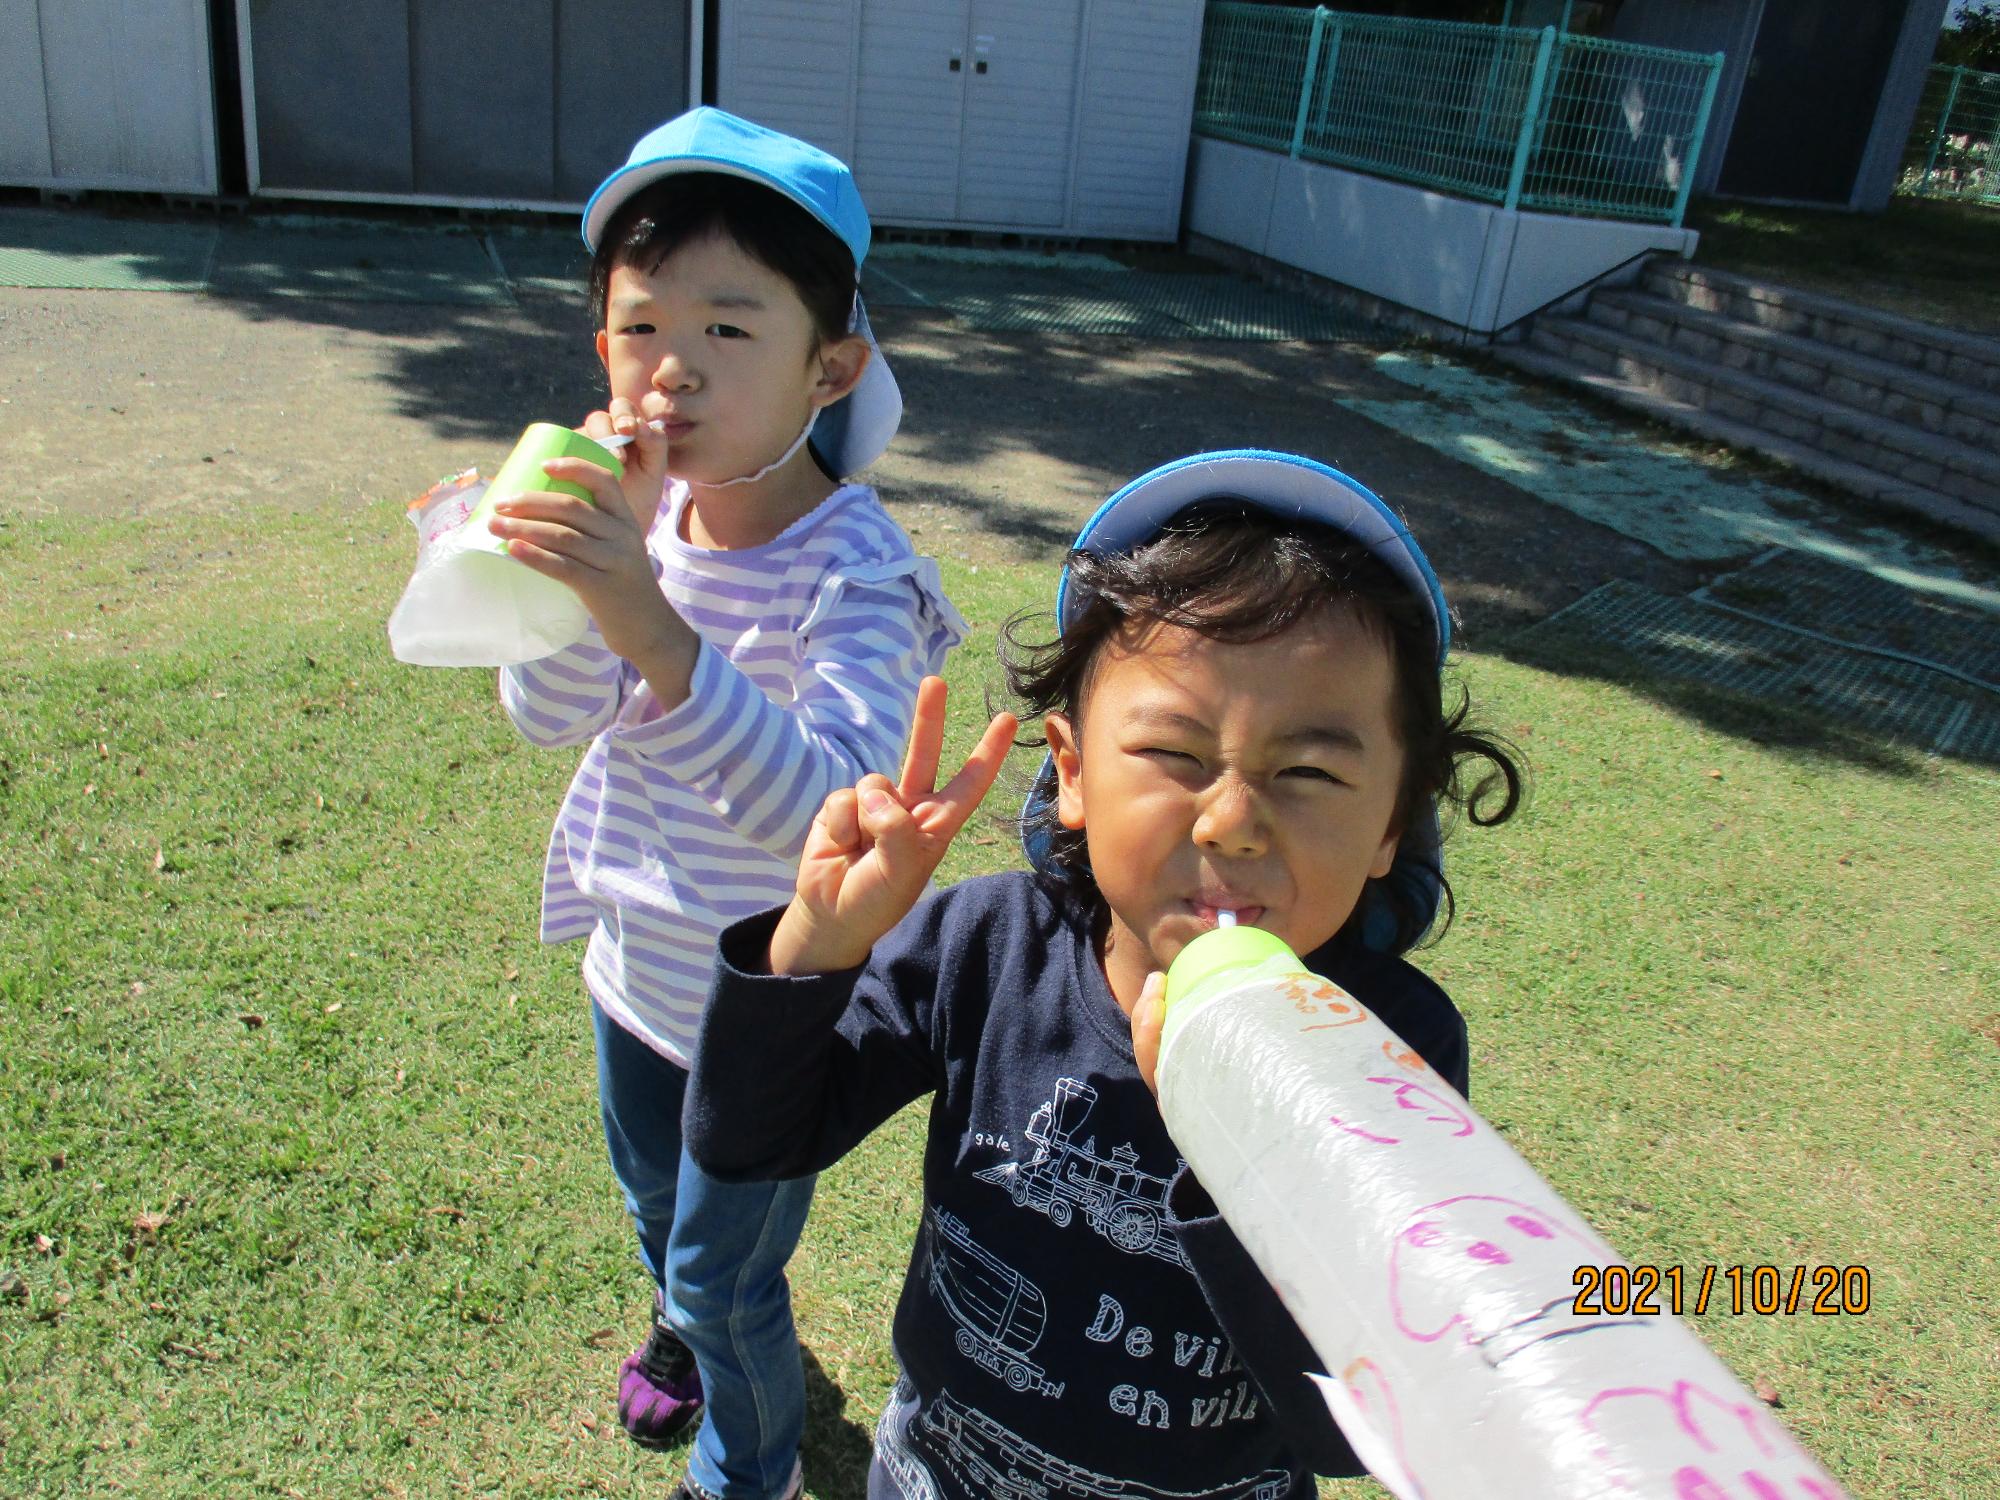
<point x="1224" y="948"/>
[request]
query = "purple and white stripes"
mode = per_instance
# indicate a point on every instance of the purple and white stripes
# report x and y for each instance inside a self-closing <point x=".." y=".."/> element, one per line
<point x="680" y="822"/>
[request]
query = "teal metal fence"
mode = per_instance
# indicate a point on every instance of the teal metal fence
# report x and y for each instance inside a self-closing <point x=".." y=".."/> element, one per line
<point x="1954" y="148"/>
<point x="1529" y="119"/>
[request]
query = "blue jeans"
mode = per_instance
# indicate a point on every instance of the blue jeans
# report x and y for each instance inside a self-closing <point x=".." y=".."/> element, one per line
<point x="719" y="1251"/>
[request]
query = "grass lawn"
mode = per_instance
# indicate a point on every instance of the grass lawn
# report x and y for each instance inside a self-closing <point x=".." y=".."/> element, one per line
<point x="301" y="1190"/>
<point x="1925" y="258"/>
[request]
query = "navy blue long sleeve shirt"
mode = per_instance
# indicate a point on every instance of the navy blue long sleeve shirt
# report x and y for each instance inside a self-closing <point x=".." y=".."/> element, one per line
<point x="1075" y="1314"/>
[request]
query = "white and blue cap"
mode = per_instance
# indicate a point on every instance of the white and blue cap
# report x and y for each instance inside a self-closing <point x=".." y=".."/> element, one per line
<point x="1297" y="489"/>
<point x="852" y="433"/>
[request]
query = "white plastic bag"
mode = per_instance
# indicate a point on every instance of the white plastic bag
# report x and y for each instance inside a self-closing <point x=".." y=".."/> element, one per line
<point x="468" y="604"/>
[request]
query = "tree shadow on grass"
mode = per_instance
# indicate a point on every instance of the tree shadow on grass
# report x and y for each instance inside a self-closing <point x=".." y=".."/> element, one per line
<point x="1010" y="439"/>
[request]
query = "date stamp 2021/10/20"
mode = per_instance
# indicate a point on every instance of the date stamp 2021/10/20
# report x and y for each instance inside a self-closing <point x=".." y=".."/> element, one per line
<point x="1651" y="1291"/>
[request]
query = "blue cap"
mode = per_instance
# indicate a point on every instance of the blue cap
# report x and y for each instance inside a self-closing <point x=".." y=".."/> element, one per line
<point x="851" y="433"/>
<point x="1298" y="489"/>
<point x="1282" y="483"/>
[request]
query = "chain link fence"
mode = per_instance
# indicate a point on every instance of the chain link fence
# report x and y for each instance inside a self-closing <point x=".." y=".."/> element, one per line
<point x="1529" y="119"/>
<point x="1954" y="148"/>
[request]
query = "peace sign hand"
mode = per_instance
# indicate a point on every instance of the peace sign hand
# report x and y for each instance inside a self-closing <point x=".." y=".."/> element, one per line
<point x="873" y="846"/>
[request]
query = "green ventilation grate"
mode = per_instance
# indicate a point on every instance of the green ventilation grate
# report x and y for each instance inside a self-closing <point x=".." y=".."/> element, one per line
<point x="357" y="263"/>
<point x="50" y="248"/>
<point x="1867" y="610"/>
<point x="1697" y="642"/>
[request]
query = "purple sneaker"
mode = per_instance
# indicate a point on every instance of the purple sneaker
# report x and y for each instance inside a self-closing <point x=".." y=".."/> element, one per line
<point x="659" y="1388"/>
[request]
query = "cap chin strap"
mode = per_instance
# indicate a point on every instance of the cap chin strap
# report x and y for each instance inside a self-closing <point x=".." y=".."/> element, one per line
<point x="777" y="463"/>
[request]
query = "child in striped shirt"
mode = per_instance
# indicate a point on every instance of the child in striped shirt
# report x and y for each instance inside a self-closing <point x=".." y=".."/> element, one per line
<point x="759" y="631"/>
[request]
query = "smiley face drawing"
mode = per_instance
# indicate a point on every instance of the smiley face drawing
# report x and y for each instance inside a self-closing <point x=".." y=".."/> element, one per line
<point x="1406" y="1103"/>
<point x="1496" y="1272"/>
<point x="1715" y="1446"/>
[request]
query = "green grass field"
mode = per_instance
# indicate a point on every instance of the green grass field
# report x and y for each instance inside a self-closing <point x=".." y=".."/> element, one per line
<point x="1929" y="258"/>
<point x="301" y="1190"/>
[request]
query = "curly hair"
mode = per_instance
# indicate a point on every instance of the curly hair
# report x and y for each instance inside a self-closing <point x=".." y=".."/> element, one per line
<point x="1233" y="571"/>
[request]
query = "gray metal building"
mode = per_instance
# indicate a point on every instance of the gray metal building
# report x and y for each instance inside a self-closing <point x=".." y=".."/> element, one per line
<point x="489" y="103"/>
<point x="1054" y="116"/>
<point x="112" y="94"/>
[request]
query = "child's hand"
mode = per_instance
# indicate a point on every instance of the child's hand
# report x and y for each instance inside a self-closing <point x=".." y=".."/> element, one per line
<point x="873" y="847"/>
<point x="1148" y="1012"/>
<point x="600" y="551"/>
<point x="644" y="458"/>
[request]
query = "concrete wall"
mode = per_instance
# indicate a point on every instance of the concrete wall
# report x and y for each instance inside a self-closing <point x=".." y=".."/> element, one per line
<point x="1474" y="266"/>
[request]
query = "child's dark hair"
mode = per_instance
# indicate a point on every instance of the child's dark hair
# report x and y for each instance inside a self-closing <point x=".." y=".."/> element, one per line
<point x="766" y="225"/>
<point x="1235" y="572"/>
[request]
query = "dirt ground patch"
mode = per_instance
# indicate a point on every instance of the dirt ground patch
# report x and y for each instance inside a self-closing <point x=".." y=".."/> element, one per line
<point x="135" y="403"/>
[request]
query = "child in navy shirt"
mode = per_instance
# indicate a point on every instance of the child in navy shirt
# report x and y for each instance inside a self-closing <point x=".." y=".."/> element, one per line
<point x="1243" y="715"/>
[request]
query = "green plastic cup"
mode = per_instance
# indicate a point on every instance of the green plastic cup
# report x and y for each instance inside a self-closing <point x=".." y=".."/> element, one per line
<point x="523" y="472"/>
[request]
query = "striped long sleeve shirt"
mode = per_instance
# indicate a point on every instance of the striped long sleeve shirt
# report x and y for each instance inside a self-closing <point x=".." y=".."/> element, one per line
<point x="681" y="821"/>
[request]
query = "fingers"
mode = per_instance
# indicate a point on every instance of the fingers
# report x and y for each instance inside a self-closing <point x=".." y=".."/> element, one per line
<point x="947" y="811"/>
<point x="528" y="540"/>
<point x="920" y="761"/>
<point x="642" y="422"/>
<point x="600" y="481"/>
<point x="882" y="815"/>
<point x="840" y="820"/>
<point x="648" y="453"/>
<point x="1149" y="1014"/>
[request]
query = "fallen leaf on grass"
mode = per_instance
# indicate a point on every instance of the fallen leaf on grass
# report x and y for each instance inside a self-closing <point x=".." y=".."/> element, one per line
<point x="1766" y="1392"/>
<point x="1714" y="775"/>
<point x="445" y="1210"/>
<point x="138" y="988"/>
<point x="333" y="1007"/>
<point x="159" y="859"/>
<point x="192" y="1352"/>
<point x="250" y="1019"/>
<point x="512" y="971"/>
<point x="589" y="1424"/>
<point x="603" y="1338"/>
<point x="45" y="1245"/>
<point x="148" y="1222"/>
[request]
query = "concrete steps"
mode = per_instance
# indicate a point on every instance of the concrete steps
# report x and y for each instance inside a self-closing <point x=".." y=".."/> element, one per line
<point x="1902" y="413"/>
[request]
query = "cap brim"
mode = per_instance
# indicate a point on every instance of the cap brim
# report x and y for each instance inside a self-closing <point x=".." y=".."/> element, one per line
<point x="1283" y="483"/>
<point x="853" y="432"/>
